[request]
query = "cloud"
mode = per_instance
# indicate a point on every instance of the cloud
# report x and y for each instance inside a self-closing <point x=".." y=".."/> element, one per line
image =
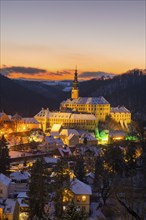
<point x="21" y="69"/>
<point x="94" y="74"/>
<point x="21" y="72"/>
<point x="59" y="73"/>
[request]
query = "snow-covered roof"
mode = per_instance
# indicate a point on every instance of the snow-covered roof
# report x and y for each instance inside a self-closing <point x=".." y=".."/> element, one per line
<point x="30" y="120"/>
<point x="115" y="133"/>
<point x="80" y="188"/>
<point x="59" y="141"/>
<point x="51" y="160"/>
<point x="22" y="195"/>
<point x="49" y="139"/>
<point x="64" y="115"/>
<point x="120" y="109"/>
<point x="70" y="136"/>
<point x="22" y="202"/>
<point x="16" y="117"/>
<point x="10" y="206"/>
<point x="20" y="175"/>
<point x="92" y="175"/>
<point x="4" y="179"/>
<point x="83" y="117"/>
<point x="87" y="100"/>
<point x="43" y="113"/>
<point x="56" y="128"/>
<point x="93" y="149"/>
<point x="89" y="137"/>
<point x="64" y="151"/>
<point x="67" y="132"/>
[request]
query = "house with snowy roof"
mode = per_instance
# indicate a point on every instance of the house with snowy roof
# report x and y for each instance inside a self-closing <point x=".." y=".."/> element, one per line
<point x="88" y="138"/>
<point x="9" y="209"/>
<point x="20" y="177"/>
<point x="4" y="186"/>
<point x="80" y="193"/>
<point x="23" y="201"/>
<point x="50" y="144"/>
<point x="70" y="137"/>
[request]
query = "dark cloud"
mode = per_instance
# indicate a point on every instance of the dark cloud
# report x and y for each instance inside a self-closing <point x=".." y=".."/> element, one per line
<point x="7" y="71"/>
<point x="21" y="69"/>
<point x="59" y="73"/>
<point x="94" y="74"/>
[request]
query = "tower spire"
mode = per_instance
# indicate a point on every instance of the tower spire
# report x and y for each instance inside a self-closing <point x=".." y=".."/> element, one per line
<point x="75" y="90"/>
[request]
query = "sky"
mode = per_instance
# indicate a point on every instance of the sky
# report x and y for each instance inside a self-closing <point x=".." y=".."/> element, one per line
<point x="47" y="39"/>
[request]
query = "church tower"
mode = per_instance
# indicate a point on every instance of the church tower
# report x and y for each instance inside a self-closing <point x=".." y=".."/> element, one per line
<point x="75" y="86"/>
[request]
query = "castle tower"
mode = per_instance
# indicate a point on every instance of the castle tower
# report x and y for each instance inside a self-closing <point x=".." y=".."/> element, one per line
<point x="75" y="87"/>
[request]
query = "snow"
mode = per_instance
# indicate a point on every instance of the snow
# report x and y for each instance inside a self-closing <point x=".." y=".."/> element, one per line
<point x="30" y="121"/>
<point x="121" y="109"/>
<point x="56" y="128"/>
<point x="96" y="213"/>
<point x="65" y="150"/>
<point x="64" y="115"/>
<point x="22" y="195"/>
<point x="10" y="205"/>
<point x="92" y="175"/>
<point x="87" y="100"/>
<point x="67" y="132"/>
<point x="51" y="160"/>
<point x="80" y="188"/>
<point x="4" y="179"/>
<point x="20" y="176"/>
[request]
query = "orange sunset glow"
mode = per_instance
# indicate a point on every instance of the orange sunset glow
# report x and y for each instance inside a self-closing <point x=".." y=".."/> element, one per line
<point x="95" y="36"/>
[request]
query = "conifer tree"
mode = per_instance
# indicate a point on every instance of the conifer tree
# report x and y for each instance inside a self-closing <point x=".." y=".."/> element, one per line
<point x="73" y="212"/>
<point x="79" y="169"/>
<point x="38" y="190"/>
<point x="4" y="156"/>
<point x="61" y="183"/>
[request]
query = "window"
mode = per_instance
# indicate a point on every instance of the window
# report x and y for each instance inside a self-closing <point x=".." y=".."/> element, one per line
<point x="83" y="198"/>
<point x="78" y="198"/>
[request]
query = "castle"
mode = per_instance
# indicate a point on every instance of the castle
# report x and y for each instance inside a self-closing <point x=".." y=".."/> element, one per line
<point x="83" y="112"/>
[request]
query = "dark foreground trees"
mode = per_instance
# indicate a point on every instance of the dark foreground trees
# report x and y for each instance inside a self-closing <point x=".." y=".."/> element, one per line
<point x="38" y="191"/>
<point x="4" y="156"/>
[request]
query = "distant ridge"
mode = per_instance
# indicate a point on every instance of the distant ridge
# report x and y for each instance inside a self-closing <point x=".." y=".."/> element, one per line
<point x="28" y="97"/>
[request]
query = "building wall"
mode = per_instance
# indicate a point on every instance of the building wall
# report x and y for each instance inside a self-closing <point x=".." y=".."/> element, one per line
<point x="3" y="191"/>
<point x="73" y="123"/>
<point x="121" y="116"/>
<point x="75" y="93"/>
<point x="67" y="123"/>
<point x="100" y="110"/>
<point x="82" y="202"/>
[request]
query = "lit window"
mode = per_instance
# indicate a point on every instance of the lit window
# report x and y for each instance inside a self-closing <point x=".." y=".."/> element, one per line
<point x="83" y="198"/>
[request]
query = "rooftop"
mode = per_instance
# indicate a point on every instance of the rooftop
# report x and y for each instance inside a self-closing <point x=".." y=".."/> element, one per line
<point x="4" y="179"/>
<point x="80" y="188"/>
<point x="119" y="109"/>
<point x="65" y="115"/>
<point x="87" y="100"/>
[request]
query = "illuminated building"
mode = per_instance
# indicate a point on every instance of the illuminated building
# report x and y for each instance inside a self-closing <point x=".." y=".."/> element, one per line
<point x="98" y="106"/>
<point x="75" y="88"/>
<point x="67" y="120"/>
<point x="80" y="193"/>
<point x="121" y="115"/>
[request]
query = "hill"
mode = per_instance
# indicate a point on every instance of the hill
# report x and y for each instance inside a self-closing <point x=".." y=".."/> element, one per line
<point x="128" y="89"/>
<point x="28" y="97"/>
